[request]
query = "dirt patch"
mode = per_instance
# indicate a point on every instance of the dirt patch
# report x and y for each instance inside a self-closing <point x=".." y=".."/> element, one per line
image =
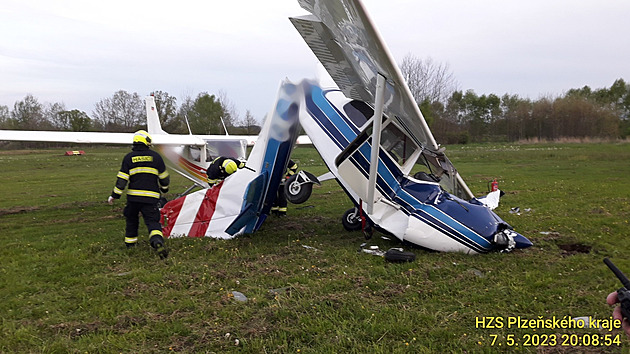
<point x="17" y="210"/>
<point x="574" y="248"/>
<point x="293" y="226"/>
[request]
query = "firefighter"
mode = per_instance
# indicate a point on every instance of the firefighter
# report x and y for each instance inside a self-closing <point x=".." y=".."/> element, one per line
<point x="222" y="167"/>
<point x="147" y="176"/>
<point x="280" y="204"/>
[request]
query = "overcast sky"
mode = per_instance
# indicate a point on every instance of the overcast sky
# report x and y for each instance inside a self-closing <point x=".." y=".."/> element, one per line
<point x="79" y="52"/>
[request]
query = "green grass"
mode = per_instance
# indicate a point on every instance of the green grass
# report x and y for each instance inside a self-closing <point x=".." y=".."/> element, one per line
<point x="67" y="284"/>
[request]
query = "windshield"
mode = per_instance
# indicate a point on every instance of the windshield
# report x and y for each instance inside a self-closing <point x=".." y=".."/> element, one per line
<point x="397" y="144"/>
<point x="420" y="163"/>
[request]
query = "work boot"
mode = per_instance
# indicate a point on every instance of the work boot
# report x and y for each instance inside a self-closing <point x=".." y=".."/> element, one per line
<point x="161" y="250"/>
<point x="130" y="245"/>
<point x="157" y="242"/>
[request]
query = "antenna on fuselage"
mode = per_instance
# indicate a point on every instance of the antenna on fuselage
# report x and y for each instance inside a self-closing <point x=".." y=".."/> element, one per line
<point x="187" y="124"/>
<point x="224" y="127"/>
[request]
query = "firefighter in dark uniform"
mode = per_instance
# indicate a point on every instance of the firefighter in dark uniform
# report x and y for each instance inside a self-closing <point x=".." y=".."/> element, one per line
<point x="221" y="167"/>
<point x="280" y="204"/>
<point x="147" y="176"/>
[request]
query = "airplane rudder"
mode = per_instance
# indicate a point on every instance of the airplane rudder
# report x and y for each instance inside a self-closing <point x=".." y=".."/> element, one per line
<point x="153" y="120"/>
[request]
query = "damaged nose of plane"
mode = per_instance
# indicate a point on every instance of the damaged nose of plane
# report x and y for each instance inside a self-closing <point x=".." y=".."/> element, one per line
<point x="507" y="240"/>
<point x="522" y="241"/>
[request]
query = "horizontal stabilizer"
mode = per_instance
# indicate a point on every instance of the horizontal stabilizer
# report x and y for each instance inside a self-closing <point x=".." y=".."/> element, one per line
<point x="246" y="217"/>
<point x="251" y="204"/>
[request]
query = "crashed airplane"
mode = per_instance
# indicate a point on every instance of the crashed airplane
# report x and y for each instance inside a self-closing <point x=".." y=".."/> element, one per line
<point x="392" y="169"/>
<point x="412" y="191"/>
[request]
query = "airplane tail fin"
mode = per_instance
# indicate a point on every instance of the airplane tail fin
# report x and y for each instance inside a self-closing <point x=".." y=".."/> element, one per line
<point x="153" y="120"/>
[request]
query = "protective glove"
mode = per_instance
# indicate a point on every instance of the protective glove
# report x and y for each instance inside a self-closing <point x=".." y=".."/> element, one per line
<point x="110" y="200"/>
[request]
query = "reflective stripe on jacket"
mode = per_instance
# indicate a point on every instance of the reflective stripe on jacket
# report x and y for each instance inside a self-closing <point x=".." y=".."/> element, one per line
<point x="146" y="174"/>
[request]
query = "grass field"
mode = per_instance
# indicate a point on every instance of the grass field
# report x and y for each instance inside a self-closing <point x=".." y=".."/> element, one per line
<point x="67" y="284"/>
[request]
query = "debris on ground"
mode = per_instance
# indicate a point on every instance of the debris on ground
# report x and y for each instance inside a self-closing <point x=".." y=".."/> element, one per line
<point x="310" y="248"/>
<point x="238" y="296"/>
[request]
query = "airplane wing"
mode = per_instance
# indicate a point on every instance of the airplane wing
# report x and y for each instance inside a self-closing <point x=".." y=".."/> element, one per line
<point x="160" y="137"/>
<point x="94" y="137"/>
<point x="342" y="36"/>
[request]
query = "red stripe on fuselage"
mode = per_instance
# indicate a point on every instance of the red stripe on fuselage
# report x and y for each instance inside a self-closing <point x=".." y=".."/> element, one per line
<point x="195" y="170"/>
<point x="169" y="214"/>
<point x="205" y="212"/>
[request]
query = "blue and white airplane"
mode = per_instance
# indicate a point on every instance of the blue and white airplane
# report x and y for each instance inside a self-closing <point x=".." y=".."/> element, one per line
<point x="391" y="168"/>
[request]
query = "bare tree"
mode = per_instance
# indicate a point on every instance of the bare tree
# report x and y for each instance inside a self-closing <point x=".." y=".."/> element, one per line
<point x="52" y="113"/>
<point x="249" y="123"/>
<point x="428" y="80"/>
<point x="122" y="112"/>
<point x="230" y="113"/>
<point x="184" y="112"/>
<point x="5" y="117"/>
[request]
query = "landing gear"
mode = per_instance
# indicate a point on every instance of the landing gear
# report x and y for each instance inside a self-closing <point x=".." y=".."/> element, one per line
<point x="298" y="187"/>
<point x="351" y="220"/>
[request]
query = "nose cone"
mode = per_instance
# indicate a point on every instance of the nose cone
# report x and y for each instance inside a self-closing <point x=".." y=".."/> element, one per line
<point x="522" y="241"/>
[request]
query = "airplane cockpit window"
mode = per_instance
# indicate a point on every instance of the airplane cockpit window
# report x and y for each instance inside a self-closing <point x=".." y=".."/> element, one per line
<point x="194" y="152"/>
<point x="398" y="144"/>
<point x="210" y="154"/>
<point x="236" y="148"/>
<point x="358" y="112"/>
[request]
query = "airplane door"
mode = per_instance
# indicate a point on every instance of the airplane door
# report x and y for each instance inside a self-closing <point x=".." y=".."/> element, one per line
<point x="353" y="165"/>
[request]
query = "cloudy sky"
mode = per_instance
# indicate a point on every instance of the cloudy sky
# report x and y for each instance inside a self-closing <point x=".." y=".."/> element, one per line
<point x="79" y="52"/>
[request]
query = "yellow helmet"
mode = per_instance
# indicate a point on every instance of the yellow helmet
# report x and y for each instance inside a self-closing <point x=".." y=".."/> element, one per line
<point x="143" y="137"/>
<point x="229" y="166"/>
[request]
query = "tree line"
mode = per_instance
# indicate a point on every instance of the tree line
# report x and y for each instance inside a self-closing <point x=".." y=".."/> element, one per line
<point x="454" y="116"/>
<point x="580" y="113"/>
<point x="458" y="117"/>
<point x="126" y="112"/>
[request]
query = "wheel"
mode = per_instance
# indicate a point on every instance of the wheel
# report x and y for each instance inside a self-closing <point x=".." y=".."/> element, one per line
<point x="351" y="220"/>
<point x="398" y="255"/>
<point x="296" y="192"/>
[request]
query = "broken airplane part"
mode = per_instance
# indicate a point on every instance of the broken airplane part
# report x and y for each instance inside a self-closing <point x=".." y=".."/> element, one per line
<point x="241" y="202"/>
<point x="412" y="191"/>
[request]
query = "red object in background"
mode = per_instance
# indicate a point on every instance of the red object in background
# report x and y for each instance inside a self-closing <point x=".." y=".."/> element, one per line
<point x="494" y="186"/>
<point x="72" y="153"/>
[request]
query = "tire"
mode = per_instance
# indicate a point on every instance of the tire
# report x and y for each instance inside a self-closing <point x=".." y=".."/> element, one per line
<point x="297" y="193"/>
<point x="351" y="220"/>
<point x="399" y="256"/>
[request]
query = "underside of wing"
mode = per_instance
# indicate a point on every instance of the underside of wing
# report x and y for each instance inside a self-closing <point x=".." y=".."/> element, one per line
<point x="343" y="38"/>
